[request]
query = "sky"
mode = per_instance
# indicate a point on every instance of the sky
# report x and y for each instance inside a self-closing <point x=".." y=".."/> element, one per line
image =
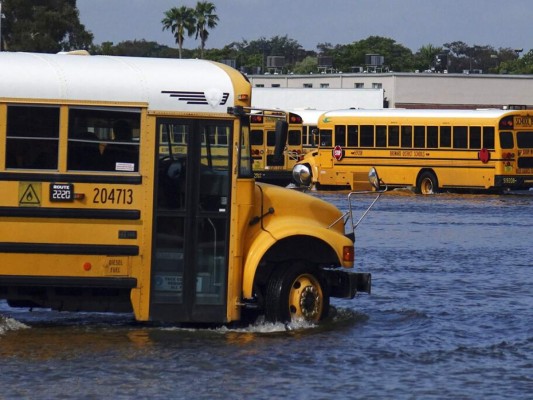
<point x="411" y="23"/>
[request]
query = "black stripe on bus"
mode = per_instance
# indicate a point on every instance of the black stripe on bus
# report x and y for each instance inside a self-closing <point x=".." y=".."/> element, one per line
<point x="75" y="213"/>
<point x="72" y="249"/>
<point x="67" y="281"/>
<point x="367" y="162"/>
<point x="71" y="178"/>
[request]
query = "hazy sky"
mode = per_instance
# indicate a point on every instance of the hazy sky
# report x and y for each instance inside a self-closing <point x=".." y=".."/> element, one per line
<point x="412" y="23"/>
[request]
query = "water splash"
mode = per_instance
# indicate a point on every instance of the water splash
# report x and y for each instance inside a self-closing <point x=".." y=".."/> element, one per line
<point x="10" y="324"/>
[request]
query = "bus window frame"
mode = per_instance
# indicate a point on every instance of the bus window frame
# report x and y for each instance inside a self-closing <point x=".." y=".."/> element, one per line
<point x="30" y="157"/>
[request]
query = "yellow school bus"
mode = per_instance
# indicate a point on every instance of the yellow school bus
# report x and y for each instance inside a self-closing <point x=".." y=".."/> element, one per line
<point x="430" y="150"/>
<point x="268" y="165"/>
<point x="126" y="185"/>
<point x="309" y="127"/>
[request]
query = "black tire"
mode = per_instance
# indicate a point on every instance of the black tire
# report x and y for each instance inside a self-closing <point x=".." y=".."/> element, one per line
<point x="427" y="183"/>
<point x="298" y="291"/>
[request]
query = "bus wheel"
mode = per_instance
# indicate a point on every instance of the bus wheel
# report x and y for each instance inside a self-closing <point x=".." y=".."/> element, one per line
<point x="427" y="183"/>
<point x="297" y="292"/>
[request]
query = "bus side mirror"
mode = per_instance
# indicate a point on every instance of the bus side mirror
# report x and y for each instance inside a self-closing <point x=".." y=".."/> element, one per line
<point x="282" y="130"/>
<point x="373" y="178"/>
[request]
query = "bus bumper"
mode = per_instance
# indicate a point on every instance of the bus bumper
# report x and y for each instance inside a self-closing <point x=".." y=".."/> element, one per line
<point x="514" y="182"/>
<point x="345" y="285"/>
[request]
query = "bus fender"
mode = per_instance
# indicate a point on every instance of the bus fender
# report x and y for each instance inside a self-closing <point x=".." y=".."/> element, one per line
<point x="285" y="229"/>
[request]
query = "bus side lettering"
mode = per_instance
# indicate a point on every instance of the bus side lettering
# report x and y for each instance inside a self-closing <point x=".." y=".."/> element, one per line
<point x="113" y="196"/>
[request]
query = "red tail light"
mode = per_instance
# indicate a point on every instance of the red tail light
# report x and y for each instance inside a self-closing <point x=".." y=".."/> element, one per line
<point x="348" y="253"/>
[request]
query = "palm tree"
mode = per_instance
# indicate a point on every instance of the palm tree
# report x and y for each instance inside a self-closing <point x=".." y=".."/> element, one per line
<point x="179" y="21"/>
<point x="205" y="18"/>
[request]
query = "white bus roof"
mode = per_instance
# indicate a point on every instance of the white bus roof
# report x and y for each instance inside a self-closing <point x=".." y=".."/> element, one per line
<point x="416" y="113"/>
<point x="165" y="84"/>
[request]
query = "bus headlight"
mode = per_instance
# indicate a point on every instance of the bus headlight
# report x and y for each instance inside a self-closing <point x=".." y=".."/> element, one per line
<point x="301" y="174"/>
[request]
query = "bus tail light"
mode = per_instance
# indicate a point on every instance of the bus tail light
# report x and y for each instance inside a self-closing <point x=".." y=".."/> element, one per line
<point x="348" y="253"/>
<point x="87" y="266"/>
<point x="257" y="119"/>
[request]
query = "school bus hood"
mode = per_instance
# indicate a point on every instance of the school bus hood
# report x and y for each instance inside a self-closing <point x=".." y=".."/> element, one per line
<point x="275" y="203"/>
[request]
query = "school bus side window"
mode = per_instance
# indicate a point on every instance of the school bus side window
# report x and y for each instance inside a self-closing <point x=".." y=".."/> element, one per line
<point x="445" y="136"/>
<point x="367" y="136"/>
<point x="256" y="137"/>
<point x="32" y="137"/>
<point x="432" y="137"/>
<point x="381" y="136"/>
<point x="294" y="138"/>
<point x="460" y="137"/>
<point x="325" y="137"/>
<point x="353" y="135"/>
<point x="394" y="136"/>
<point x="103" y="140"/>
<point x="475" y="137"/>
<point x="340" y="135"/>
<point x="488" y="137"/>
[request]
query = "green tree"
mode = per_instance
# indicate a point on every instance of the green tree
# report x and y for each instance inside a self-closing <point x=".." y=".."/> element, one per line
<point x="180" y="21"/>
<point x="44" y="26"/>
<point x="252" y="55"/>
<point x="397" y="57"/>
<point x="523" y="65"/>
<point x="205" y="19"/>
<point x="135" y="48"/>
<point x="307" y="65"/>
<point x="425" y="57"/>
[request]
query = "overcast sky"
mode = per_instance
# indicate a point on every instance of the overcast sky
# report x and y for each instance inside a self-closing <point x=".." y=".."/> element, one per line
<point x="412" y="23"/>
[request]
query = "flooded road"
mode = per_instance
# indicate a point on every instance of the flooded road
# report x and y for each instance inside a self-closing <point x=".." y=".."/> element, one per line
<point x="450" y="316"/>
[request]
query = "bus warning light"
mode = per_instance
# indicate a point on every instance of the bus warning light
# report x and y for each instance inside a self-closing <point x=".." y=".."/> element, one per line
<point x="87" y="266"/>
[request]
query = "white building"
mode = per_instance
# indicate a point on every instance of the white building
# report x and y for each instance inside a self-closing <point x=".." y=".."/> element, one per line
<point x="316" y="99"/>
<point x="418" y="90"/>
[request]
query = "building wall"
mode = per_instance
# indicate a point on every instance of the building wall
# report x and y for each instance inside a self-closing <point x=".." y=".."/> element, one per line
<point x="419" y="90"/>
<point x="317" y="99"/>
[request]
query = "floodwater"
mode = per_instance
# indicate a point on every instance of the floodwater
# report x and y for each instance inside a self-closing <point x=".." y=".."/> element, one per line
<point x="450" y="317"/>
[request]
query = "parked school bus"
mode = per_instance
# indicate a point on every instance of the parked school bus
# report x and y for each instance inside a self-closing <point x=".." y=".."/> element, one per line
<point x="126" y="185"/>
<point x="268" y="165"/>
<point x="430" y="150"/>
<point x="309" y="128"/>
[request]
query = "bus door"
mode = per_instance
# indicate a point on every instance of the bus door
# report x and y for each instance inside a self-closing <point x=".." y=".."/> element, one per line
<point x="191" y="214"/>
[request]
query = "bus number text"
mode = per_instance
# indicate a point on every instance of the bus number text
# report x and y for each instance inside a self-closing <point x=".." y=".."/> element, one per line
<point x="113" y="196"/>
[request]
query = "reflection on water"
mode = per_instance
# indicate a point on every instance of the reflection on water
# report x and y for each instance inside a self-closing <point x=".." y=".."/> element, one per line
<point x="449" y="317"/>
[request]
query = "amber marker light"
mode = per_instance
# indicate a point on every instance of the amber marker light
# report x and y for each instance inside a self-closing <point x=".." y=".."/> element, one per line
<point x="348" y="253"/>
<point x="243" y="97"/>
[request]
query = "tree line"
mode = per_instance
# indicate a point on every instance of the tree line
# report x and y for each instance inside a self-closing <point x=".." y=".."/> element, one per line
<point x="53" y="25"/>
